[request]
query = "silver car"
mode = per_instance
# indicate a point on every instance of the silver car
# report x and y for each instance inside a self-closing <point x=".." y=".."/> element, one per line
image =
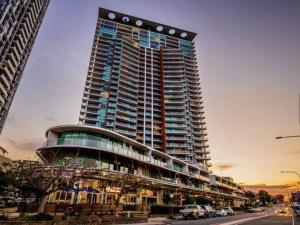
<point x="229" y="211"/>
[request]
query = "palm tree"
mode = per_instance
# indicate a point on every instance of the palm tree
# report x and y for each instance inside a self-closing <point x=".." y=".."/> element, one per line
<point x="4" y="151"/>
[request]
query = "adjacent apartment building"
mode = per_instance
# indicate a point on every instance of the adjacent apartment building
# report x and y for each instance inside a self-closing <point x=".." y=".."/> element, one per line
<point x="143" y="83"/>
<point x="19" y="24"/>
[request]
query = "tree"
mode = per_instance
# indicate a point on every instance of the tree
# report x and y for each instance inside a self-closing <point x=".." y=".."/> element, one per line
<point x="34" y="177"/>
<point x="264" y="197"/>
<point x="189" y="200"/>
<point x="7" y="180"/>
<point x="4" y="151"/>
<point x="278" y="199"/>
<point x="167" y="198"/>
<point x="122" y="182"/>
<point x="203" y="201"/>
<point x="251" y="195"/>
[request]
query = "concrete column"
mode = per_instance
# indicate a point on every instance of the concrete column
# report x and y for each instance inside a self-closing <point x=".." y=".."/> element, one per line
<point x="139" y="171"/>
<point x="180" y="198"/>
<point x="170" y="163"/>
<point x="72" y="198"/>
<point x="139" y="198"/>
<point x="160" y="197"/>
<point x="186" y="169"/>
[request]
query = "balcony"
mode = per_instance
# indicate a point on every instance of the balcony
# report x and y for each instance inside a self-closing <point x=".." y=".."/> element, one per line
<point x="125" y="132"/>
<point x="176" y="138"/>
<point x="125" y="118"/>
<point x="174" y="107"/>
<point x="176" y="131"/>
<point x="125" y="125"/>
<point x="126" y="112"/>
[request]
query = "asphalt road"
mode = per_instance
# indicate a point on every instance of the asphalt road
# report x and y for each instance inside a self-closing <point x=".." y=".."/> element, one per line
<point x="218" y="220"/>
<point x="268" y="217"/>
<point x="272" y="220"/>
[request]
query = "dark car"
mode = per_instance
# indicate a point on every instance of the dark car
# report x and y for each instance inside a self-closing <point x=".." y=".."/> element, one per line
<point x="297" y="210"/>
<point x="250" y="210"/>
<point x="209" y="211"/>
<point x="8" y="201"/>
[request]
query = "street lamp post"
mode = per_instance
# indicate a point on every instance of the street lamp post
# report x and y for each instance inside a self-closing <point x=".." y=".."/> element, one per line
<point x="294" y="172"/>
<point x="172" y="213"/>
<point x="291" y="136"/>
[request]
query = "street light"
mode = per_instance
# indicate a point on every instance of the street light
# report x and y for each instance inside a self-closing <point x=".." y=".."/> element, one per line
<point x="172" y="213"/>
<point x="291" y="136"/>
<point x="285" y="171"/>
<point x="294" y="172"/>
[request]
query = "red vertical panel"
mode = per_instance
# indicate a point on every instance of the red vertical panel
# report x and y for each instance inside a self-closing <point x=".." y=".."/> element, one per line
<point x="163" y="121"/>
<point x="112" y="64"/>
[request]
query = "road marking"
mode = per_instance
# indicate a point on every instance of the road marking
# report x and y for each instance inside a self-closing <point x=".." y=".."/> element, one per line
<point x="293" y="220"/>
<point x="241" y="221"/>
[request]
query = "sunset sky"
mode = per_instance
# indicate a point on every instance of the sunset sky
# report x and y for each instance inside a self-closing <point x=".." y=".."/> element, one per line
<point x="249" y="62"/>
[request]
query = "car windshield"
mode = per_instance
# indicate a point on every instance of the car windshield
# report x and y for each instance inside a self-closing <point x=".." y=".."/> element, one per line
<point x="297" y="207"/>
<point x="191" y="207"/>
<point x="226" y="208"/>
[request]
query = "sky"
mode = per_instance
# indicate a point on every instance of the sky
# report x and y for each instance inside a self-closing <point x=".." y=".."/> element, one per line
<point x="249" y="62"/>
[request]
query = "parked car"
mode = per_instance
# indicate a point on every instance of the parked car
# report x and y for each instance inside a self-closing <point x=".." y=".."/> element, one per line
<point x="8" y="201"/>
<point x="194" y="211"/>
<point x="209" y="211"/>
<point x="221" y="212"/>
<point x="229" y="211"/>
<point x="259" y="209"/>
<point x="250" y="210"/>
<point x="296" y="207"/>
<point x="2" y="203"/>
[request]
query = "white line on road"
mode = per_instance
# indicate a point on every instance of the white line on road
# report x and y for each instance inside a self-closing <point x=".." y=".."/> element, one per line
<point x="241" y="221"/>
<point x="293" y="220"/>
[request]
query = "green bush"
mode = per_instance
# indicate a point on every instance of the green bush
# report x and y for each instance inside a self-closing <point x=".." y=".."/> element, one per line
<point x="165" y="209"/>
<point x="38" y="217"/>
<point x="3" y="217"/>
<point x="63" y="217"/>
<point x="87" y="213"/>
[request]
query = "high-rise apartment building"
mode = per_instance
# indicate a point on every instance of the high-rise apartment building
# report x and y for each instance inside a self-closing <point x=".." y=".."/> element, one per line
<point x="143" y="82"/>
<point x="19" y="24"/>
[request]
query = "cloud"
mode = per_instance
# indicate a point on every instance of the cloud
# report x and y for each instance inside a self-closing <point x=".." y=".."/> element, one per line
<point x="22" y="145"/>
<point x="223" y="166"/>
<point x="284" y="189"/>
<point x="296" y="152"/>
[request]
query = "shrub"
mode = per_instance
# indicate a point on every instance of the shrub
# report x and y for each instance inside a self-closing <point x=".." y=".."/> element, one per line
<point x="164" y="209"/>
<point x="38" y="217"/>
<point x="87" y="213"/>
<point x="3" y="217"/>
<point x="63" y="217"/>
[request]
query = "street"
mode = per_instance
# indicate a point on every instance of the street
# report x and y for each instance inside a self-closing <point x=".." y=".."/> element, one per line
<point x="282" y="220"/>
<point x="270" y="216"/>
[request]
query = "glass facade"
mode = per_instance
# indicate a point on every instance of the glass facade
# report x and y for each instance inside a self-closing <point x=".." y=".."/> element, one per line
<point x="100" y="141"/>
<point x="144" y="84"/>
<point x="90" y="139"/>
